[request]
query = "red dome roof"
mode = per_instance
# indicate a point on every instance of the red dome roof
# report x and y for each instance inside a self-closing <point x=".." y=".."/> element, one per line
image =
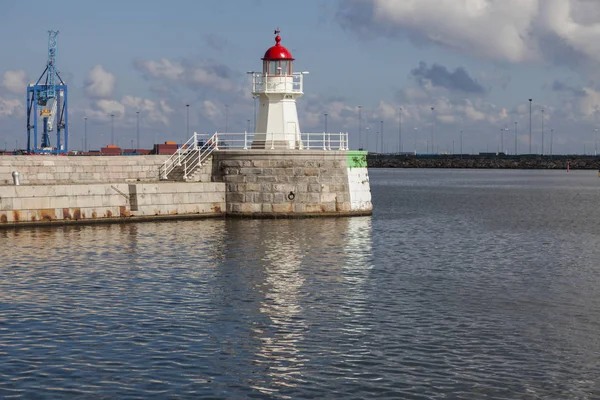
<point x="278" y="52"/>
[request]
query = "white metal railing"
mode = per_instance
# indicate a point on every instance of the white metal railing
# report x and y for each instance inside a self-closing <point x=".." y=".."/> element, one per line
<point x="263" y="83"/>
<point x="190" y="155"/>
<point x="308" y="141"/>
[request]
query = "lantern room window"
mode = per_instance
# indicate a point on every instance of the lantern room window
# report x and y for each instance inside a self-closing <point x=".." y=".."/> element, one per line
<point x="277" y="67"/>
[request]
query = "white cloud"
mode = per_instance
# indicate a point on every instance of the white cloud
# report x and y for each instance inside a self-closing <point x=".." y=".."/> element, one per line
<point x="514" y="31"/>
<point x="100" y="83"/>
<point x="15" y="81"/>
<point x="204" y="74"/>
<point x="11" y="107"/>
<point x="210" y="109"/>
<point x="164" y="68"/>
<point x="152" y="111"/>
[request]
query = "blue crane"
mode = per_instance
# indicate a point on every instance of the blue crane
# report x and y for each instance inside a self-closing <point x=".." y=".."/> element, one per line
<point x="48" y="101"/>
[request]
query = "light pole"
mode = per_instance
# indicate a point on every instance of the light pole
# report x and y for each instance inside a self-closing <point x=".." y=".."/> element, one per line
<point x="137" y="129"/>
<point x="255" y="97"/>
<point x="530" y="100"/>
<point x="367" y="135"/>
<point x="516" y="137"/>
<point x="432" y="127"/>
<point x="112" y="128"/>
<point x="415" y="137"/>
<point x="596" y="142"/>
<point x="400" y="130"/>
<point x="248" y="125"/>
<point x="542" y="131"/>
<point x="461" y="142"/>
<point x="359" y="128"/>
<point x="84" y="134"/>
<point x="382" y="136"/>
<point x="325" y="122"/>
<point x="226" y="116"/>
<point x="551" y="140"/>
<point x="187" y="122"/>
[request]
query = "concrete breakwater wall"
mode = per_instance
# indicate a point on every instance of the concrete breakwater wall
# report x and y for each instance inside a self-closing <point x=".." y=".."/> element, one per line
<point x="109" y="202"/>
<point x="484" y="162"/>
<point x="63" y="190"/>
<point x="44" y="170"/>
<point x="237" y="183"/>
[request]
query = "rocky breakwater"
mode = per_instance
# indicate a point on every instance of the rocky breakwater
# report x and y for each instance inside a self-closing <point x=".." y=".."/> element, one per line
<point x="484" y="162"/>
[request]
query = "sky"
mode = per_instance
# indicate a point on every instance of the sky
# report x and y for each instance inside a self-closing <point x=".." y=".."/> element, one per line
<point x="475" y="62"/>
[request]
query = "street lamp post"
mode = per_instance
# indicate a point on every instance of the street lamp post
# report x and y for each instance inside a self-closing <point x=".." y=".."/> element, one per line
<point x="516" y="137"/>
<point x="461" y="143"/>
<point x="542" y="131"/>
<point x="382" y="136"/>
<point x="325" y="122"/>
<point x="432" y="127"/>
<point x="85" y="134"/>
<point x="551" y="140"/>
<point x="248" y="125"/>
<point x="226" y="116"/>
<point x="415" y="138"/>
<point x="255" y="97"/>
<point x="400" y="130"/>
<point x="187" y="125"/>
<point x="112" y="128"/>
<point x="367" y="135"/>
<point x="596" y="142"/>
<point x="530" y="100"/>
<point x="137" y="129"/>
<point x="359" y="127"/>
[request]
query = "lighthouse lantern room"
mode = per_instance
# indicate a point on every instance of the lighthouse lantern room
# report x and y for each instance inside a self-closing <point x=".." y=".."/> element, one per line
<point x="277" y="87"/>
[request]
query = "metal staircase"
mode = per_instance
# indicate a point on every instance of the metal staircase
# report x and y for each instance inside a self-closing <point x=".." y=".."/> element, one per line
<point x="188" y="159"/>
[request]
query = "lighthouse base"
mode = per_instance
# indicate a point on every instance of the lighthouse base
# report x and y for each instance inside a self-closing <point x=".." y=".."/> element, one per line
<point x="293" y="183"/>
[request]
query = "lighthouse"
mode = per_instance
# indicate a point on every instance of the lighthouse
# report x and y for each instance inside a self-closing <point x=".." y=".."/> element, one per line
<point x="276" y="88"/>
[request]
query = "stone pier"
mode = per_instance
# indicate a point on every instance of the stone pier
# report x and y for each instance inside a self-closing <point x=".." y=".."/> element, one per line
<point x="293" y="183"/>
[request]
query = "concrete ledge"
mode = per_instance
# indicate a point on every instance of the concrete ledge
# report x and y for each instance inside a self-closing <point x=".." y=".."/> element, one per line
<point x="262" y="215"/>
<point x="119" y="220"/>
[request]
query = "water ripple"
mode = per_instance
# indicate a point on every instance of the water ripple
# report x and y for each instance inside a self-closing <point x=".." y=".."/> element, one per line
<point x="462" y="285"/>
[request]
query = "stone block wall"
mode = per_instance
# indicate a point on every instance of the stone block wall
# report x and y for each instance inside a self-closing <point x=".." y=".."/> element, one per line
<point x="21" y="205"/>
<point x="285" y="183"/>
<point x="46" y="169"/>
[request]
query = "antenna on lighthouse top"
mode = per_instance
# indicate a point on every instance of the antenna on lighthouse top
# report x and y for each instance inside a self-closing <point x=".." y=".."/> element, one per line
<point x="277" y="31"/>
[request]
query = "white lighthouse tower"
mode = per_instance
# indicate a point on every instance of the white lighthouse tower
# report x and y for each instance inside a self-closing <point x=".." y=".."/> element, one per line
<point x="277" y="87"/>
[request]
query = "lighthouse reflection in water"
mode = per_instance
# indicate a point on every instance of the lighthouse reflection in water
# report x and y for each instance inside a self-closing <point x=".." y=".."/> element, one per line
<point x="215" y="307"/>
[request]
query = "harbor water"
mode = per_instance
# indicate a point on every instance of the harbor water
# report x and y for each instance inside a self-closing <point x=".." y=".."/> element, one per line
<point x="464" y="284"/>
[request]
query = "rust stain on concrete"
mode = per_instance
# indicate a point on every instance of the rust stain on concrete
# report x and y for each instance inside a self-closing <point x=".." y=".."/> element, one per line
<point x="123" y="211"/>
<point x="67" y="213"/>
<point x="94" y="214"/>
<point x="47" y="214"/>
<point x="33" y="218"/>
<point x="108" y="213"/>
<point x="216" y="208"/>
<point x="3" y="218"/>
<point x="16" y="216"/>
<point x="77" y="214"/>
